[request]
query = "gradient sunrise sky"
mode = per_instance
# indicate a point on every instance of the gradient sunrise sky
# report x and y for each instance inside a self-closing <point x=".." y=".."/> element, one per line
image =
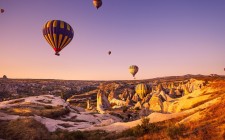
<point x="162" y="37"/>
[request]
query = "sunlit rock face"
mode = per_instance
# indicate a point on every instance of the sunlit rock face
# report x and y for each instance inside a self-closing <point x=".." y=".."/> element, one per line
<point x="146" y="99"/>
<point x="89" y="107"/>
<point x="156" y="104"/>
<point x="138" y="105"/>
<point x="102" y="102"/>
<point x="153" y="96"/>
<point x="112" y="95"/>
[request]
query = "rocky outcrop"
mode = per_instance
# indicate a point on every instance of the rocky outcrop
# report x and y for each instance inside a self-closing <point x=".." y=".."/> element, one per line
<point x="89" y="107"/>
<point x="146" y="105"/>
<point x="159" y="87"/>
<point x="186" y="91"/>
<point x="178" y="93"/>
<point x="195" y="84"/>
<point x="136" y="98"/>
<point x="112" y="95"/>
<point x="163" y="96"/>
<point x="156" y="104"/>
<point x="118" y="102"/>
<point x="124" y="95"/>
<point x="172" y="93"/>
<point x="102" y="102"/>
<point x="129" y="102"/>
<point x="138" y="105"/>
<point x="146" y="99"/>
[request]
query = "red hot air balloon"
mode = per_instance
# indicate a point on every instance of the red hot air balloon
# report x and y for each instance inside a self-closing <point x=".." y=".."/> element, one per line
<point x="109" y="52"/>
<point x="2" y="10"/>
<point x="97" y="3"/>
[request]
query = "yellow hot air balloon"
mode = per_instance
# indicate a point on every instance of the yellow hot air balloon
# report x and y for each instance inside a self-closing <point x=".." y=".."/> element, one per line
<point x="97" y="3"/>
<point x="141" y="90"/>
<point x="133" y="70"/>
<point x="58" y="34"/>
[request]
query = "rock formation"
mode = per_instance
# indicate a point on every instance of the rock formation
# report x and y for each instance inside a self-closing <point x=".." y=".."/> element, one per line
<point x="146" y="99"/>
<point x="156" y="104"/>
<point x="112" y="95"/>
<point x="118" y="102"/>
<point x="129" y="101"/>
<point x="89" y="107"/>
<point x="136" y="98"/>
<point x="102" y="102"/>
<point x="172" y="93"/>
<point x="138" y="105"/>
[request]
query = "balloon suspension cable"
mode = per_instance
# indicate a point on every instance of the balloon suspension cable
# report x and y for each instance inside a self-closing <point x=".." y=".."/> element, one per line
<point x="57" y="54"/>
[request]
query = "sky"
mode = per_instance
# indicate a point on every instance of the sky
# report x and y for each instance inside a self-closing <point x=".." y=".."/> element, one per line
<point x="161" y="37"/>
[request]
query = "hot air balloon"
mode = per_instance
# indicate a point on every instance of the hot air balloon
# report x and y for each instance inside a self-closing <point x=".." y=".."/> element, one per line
<point x="133" y="70"/>
<point x="109" y="52"/>
<point x="97" y="3"/>
<point x="58" y="34"/>
<point x="141" y="90"/>
<point x="2" y="10"/>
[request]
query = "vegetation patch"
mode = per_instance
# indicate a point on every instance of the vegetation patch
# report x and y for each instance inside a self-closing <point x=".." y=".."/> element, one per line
<point x="144" y="128"/>
<point x="23" y="129"/>
<point x="79" y="135"/>
<point x="174" y="132"/>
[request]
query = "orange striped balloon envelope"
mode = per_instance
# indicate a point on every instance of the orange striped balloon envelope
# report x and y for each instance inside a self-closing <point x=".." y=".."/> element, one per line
<point x="58" y="34"/>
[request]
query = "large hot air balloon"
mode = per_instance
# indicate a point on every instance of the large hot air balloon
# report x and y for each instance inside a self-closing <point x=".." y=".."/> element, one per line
<point x="2" y="10"/>
<point x="58" y="34"/>
<point x="97" y="3"/>
<point x="109" y="52"/>
<point x="133" y="70"/>
<point x="141" y="90"/>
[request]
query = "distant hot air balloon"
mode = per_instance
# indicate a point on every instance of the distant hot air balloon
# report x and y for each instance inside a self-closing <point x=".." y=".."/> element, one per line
<point x="133" y="70"/>
<point x="2" y="10"/>
<point x="109" y="52"/>
<point x="141" y="90"/>
<point x="58" y="34"/>
<point x="97" y="3"/>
